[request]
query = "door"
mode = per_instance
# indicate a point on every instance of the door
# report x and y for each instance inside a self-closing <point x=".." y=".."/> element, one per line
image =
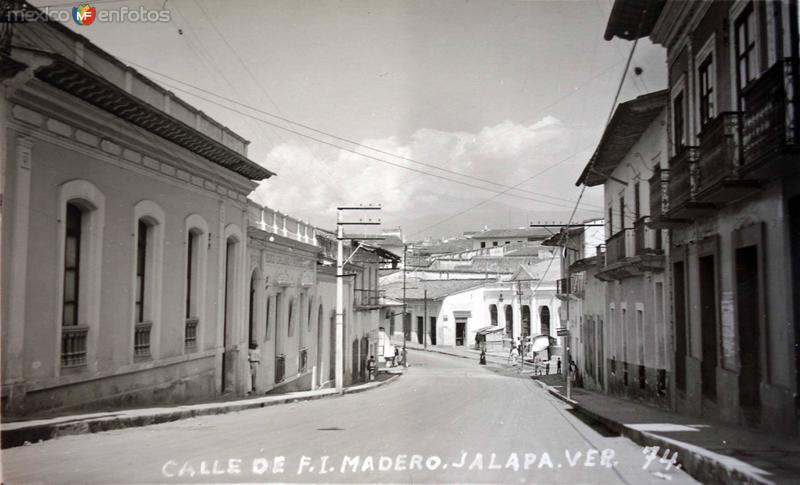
<point x="420" y="329"/>
<point x="747" y="310"/>
<point x="461" y="332"/>
<point x="432" y="330"/>
<point x="708" y="326"/>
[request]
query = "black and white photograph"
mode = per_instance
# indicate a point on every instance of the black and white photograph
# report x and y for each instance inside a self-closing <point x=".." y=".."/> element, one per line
<point x="400" y="241"/>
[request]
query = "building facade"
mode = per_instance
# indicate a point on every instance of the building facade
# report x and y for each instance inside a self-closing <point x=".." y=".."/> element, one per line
<point x="728" y="191"/>
<point x="124" y="236"/>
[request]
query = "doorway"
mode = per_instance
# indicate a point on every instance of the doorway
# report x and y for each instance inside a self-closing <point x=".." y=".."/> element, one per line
<point x="461" y="332"/>
<point x="420" y="330"/>
<point x="432" y="330"/>
<point x="544" y="318"/>
<point x="747" y="310"/>
<point x="227" y="374"/>
<point x="679" y="295"/>
<point x="708" y="325"/>
<point x="794" y="237"/>
<point x="509" y="311"/>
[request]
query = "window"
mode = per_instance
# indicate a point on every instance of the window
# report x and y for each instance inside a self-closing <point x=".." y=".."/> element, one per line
<point x="72" y="263"/>
<point x="191" y="254"/>
<point x="494" y="243"/>
<point x="267" y="319"/>
<point x="621" y="213"/>
<point x="705" y="83"/>
<point x="483" y="244"/>
<point x="493" y="314"/>
<point x="678" y="122"/>
<point x="309" y="313"/>
<point x="610" y="221"/>
<point x="141" y="268"/>
<point x="636" y="201"/>
<point x="290" y="320"/>
<point x="745" y="48"/>
<point x="195" y="228"/>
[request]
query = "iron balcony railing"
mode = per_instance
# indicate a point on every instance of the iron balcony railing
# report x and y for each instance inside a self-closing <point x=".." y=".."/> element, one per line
<point x="659" y="192"/>
<point x="615" y="247"/>
<point x="190" y="334"/>
<point x="141" y="340"/>
<point x="771" y="107"/>
<point x="683" y="176"/>
<point x="280" y="368"/>
<point x="73" y="345"/>
<point x="720" y="150"/>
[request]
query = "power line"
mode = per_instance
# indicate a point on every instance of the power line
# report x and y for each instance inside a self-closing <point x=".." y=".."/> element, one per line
<point x="338" y="137"/>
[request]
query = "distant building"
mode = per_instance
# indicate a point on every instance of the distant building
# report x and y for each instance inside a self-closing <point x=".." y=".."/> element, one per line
<point x="500" y="237"/>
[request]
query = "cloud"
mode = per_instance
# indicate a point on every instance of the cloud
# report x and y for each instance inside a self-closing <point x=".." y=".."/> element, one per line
<point x="312" y="179"/>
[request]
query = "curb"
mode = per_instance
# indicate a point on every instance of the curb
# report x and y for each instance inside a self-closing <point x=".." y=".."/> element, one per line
<point x="42" y="432"/>
<point x="703" y="465"/>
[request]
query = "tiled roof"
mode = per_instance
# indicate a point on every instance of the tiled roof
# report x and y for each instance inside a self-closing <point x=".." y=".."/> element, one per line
<point x="437" y="289"/>
<point x="526" y="232"/>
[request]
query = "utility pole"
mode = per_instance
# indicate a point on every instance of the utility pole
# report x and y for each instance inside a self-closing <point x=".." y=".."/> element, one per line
<point x="405" y="332"/>
<point x="425" y="317"/>
<point x="569" y="303"/>
<point x="521" y="328"/>
<point x="340" y="262"/>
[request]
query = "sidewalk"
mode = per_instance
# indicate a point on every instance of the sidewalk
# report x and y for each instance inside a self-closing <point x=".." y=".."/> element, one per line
<point x="19" y="433"/>
<point x="708" y="451"/>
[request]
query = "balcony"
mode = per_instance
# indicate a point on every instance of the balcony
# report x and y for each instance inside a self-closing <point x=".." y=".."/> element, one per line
<point x="770" y="131"/>
<point x="573" y="286"/>
<point x="615" y="247"/>
<point x="280" y="368"/>
<point x="632" y="252"/>
<point x="718" y="171"/>
<point x="367" y="299"/>
<point x="190" y="335"/>
<point x="73" y="345"/>
<point x="141" y="341"/>
<point x="683" y="177"/>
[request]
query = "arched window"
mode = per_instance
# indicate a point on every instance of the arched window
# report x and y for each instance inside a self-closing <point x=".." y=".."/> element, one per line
<point x="310" y="309"/>
<point x="268" y="318"/>
<point x="493" y="314"/>
<point x="526" y="320"/>
<point x="290" y="320"/>
<point x="148" y="245"/>
<point x="196" y="231"/>
<point x="80" y="247"/>
<point x="509" y="321"/>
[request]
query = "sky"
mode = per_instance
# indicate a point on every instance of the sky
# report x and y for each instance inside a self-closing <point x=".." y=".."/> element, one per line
<point x="509" y="98"/>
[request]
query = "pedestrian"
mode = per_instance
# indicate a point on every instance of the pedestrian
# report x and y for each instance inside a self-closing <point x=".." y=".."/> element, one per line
<point x="372" y="367"/>
<point x="558" y="366"/>
<point x="514" y="355"/>
<point x="483" y="357"/>
<point x="396" y="356"/>
<point x="254" y="357"/>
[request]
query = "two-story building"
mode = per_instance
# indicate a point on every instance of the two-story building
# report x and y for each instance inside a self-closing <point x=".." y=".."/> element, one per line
<point x="728" y="189"/>
<point x="637" y="338"/>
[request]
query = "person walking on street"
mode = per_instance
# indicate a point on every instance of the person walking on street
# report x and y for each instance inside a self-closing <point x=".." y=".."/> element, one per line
<point x="558" y="366"/>
<point x="372" y="367"/>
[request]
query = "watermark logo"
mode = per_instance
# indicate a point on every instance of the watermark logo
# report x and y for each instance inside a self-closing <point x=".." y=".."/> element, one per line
<point x="84" y="14"/>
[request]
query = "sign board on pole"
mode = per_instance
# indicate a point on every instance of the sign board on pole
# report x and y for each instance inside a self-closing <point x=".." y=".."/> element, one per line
<point x="562" y="332"/>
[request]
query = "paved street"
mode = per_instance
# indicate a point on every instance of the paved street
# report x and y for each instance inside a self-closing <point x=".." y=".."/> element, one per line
<point x="446" y="420"/>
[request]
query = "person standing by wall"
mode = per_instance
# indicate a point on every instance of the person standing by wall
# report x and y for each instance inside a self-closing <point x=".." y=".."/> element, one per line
<point x="254" y="357"/>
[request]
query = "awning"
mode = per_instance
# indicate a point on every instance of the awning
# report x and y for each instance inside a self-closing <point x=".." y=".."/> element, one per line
<point x="489" y="329"/>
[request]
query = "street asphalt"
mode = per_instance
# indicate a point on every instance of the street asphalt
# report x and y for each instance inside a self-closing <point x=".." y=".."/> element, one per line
<point x="446" y="420"/>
